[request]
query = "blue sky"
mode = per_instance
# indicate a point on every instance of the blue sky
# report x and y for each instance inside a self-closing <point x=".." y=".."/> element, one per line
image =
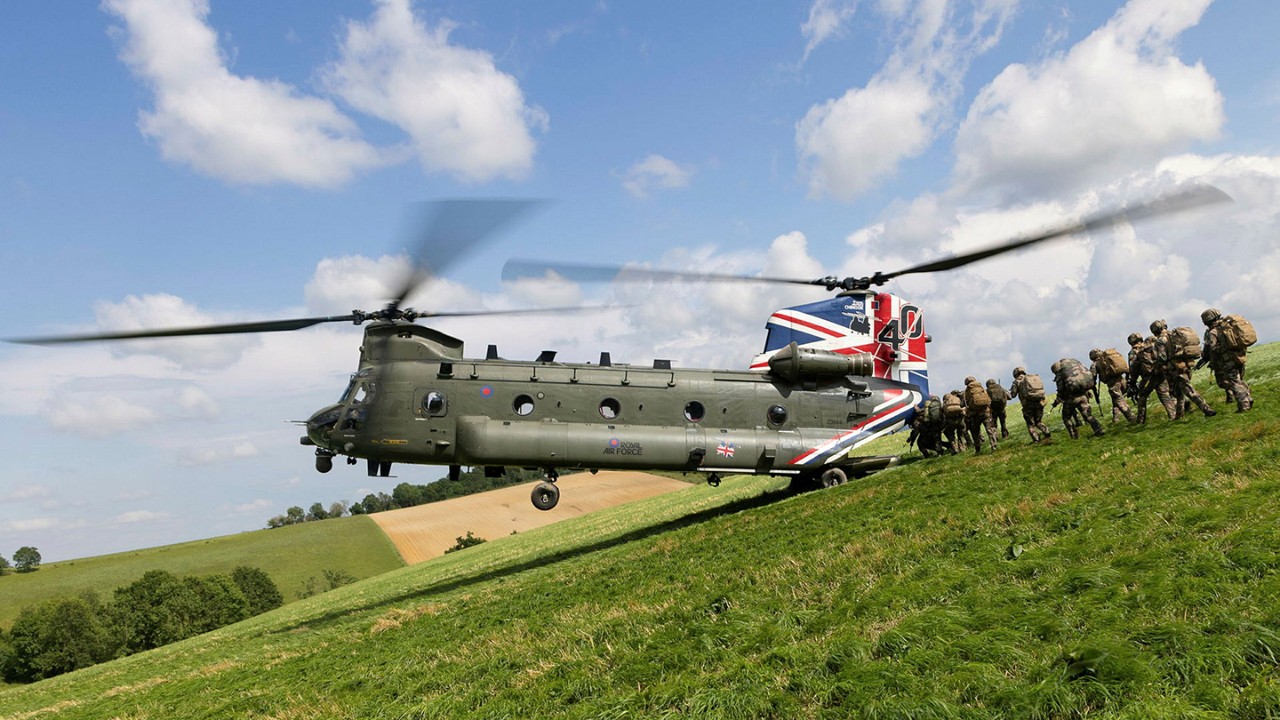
<point x="170" y="163"/>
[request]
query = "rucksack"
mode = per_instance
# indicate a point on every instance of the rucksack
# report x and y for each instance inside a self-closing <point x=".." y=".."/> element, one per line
<point x="976" y="398"/>
<point x="951" y="405"/>
<point x="1031" y="387"/>
<point x="1184" y="344"/>
<point x="1111" y="364"/>
<point x="1236" y="333"/>
<point x="933" y="411"/>
<point x="1075" y="378"/>
<point x="1144" y="357"/>
<point x="999" y="396"/>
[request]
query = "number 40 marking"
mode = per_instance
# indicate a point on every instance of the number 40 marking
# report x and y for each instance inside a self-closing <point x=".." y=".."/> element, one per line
<point x="891" y="332"/>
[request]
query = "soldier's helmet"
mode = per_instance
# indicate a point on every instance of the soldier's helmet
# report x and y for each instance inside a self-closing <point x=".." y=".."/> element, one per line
<point x="1094" y="354"/>
<point x="1134" y="338"/>
<point x="1054" y="368"/>
<point x="1158" y="327"/>
<point x="991" y="381"/>
<point x="1210" y="316"/>
<point x="970" y="380"/>
<point x="1019" y="371"/>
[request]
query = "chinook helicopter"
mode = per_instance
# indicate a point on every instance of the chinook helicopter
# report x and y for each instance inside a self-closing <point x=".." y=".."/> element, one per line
<point x="833" y="375"/>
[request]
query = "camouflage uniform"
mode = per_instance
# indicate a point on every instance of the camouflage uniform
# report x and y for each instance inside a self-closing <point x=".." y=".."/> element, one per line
<point x="1227" y="365"/>
<point x="1116" y="388"/>
<point x="1032" y="408"/>
<point x="1178" y="370"/>
<point x="953" y="426"/>
<point x="999" y="402"/>
<point x="976" y="418"/>
<point x="1075" y="404"/>
<point x="926" y="434"/>
<point x="1146" y="376"/>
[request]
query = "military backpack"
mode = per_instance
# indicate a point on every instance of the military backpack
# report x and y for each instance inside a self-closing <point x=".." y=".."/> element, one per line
<point x="1184" y="344"/>
<point x="933" y="411"/>
<point x="1111" y="364"/>
<point x="1144" y="357"/>
<point x="1235" y="333"/>
<point x="976" y="397"/>
<point x="1075" y="378"/>
<point x="999" y="396"/>
<point x="1031" y="387"/>
<point x="951" y="405"/>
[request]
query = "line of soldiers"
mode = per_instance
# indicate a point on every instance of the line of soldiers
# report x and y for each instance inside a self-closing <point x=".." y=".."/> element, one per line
<point x="1161" y="363"/>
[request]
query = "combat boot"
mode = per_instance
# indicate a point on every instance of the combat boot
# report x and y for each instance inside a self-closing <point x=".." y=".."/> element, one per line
<point x="1210" y="412"/>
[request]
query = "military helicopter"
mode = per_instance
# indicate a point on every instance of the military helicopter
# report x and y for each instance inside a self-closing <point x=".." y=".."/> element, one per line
<point x="833" y="375"/>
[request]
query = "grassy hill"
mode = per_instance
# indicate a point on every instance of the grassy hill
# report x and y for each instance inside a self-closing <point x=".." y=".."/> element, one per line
<point x="1133" y="575"/>
<point x="290" y="555"/>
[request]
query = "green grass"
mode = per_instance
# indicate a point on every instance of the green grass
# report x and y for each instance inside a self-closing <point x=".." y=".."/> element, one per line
<point x="289" y="555"/>
<point x="1135" y="575"/>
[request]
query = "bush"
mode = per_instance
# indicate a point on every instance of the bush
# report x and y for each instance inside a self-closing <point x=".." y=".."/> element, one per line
<point x="258" y="589"/>
<point x="465" y="542"/>
<point x="57" y="636"/>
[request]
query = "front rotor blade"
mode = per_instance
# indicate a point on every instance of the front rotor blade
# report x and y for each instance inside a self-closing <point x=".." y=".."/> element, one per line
<point x="1199" y="196"/>
<point x="584" y="272"/>
<point x="524" y="311"/>
<point x="229" y="329"/>
<point x="445" y="230"/>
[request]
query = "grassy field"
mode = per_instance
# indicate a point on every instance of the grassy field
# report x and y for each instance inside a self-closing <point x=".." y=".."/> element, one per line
<point x="1128" y="576"/>
<point x="290" y="555"/>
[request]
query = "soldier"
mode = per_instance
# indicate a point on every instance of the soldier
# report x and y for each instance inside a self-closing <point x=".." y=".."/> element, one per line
<point x="1107" y="368"/>
<point x="1074" y="385"/>
<point x="1225" y="352"/>
<point x="977" y="414"/>
<point x="1173" y="351"/>
<point x="1145" y="376"/>
<point x="1029" y="389"/>
<point x="953" y="420"/>
<point x="999" y="402"/>
<point x="926" y="428"/>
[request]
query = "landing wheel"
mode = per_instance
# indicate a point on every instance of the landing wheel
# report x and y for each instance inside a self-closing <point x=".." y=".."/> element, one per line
<point x="545" y="496"/>
<point x="832" y="477"/>
<point x="713" y="480"/>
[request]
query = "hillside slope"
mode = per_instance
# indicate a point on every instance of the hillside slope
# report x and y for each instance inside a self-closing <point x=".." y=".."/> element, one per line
<point x="1133" y="575"/>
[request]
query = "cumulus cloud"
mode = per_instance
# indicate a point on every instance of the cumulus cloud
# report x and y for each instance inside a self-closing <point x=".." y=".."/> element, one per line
<point x="462" y="114"/>
<point x="655" y="171"/>
<point x="237" y="129"/>
<point x="139" y="516"/>
<point x="1117" y="101"/>
<point x="850" y="143"/>
<point x="99" y="415"/>
<point x="210" y="455"/>
<point x="164" y="311"/>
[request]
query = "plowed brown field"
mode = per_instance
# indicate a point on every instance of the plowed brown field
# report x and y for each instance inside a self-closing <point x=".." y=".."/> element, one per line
<point x="424" y="532"/>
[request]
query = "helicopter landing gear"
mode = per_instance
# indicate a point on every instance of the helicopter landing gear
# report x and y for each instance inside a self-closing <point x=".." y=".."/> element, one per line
<point x="379" y="468"/>
<point x="713" y="480"/>
<point x="545" y="494"/>
<point x="832" y="477"/>
<point x="324" y="460"/>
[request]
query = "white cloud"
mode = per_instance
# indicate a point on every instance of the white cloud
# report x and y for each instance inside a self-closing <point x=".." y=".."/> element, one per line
<point x="139" y="516"/>
<point x="98" y="414"/>
<point x="848" y="144"/>
<point x="164" y="311"/>
<point x="210" y="455"/>
<point x="462" y="114"/>
<point x="253" y="507"/>
<point x="655" y="171"/>
<point x="1117" y="101"/>
<point x="236" y="129"/>
<point x="826" y="20"/>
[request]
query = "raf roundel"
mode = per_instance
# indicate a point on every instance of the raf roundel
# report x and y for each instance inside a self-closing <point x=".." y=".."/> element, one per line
<point x="486" y="391"/>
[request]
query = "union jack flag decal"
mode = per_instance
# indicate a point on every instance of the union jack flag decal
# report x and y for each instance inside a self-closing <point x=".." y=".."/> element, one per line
<point x="725" y="448"/>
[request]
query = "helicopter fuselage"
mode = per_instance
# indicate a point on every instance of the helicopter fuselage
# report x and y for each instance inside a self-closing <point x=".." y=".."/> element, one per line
<point x="417" y="400"/>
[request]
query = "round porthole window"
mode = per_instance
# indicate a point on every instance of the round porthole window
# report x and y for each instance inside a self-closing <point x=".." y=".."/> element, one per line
<point x="777" y="414"/>
<point x="433" y="403"/>
<point x="523" y="405"/>
<point x="610" y="408"/>
<point x="694" y="411"/>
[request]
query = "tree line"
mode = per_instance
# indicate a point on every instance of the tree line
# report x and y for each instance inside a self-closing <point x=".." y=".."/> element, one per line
<point x="407" y="495"/>
<point x="65" y="634"/>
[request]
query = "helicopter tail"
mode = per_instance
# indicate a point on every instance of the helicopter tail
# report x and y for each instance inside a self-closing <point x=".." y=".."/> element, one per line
<point x="882" y="325"/>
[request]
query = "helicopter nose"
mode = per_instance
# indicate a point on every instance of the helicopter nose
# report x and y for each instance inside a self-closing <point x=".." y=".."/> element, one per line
<point x="321" y="422"/>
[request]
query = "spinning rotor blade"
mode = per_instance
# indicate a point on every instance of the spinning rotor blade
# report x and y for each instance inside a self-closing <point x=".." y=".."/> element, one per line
<point x="1195" y="197"/>
<point x="230" y="329"/>
<point x="445" y="230"/>
<point x="1163" y="205"/>
<point x="585" y="272"/>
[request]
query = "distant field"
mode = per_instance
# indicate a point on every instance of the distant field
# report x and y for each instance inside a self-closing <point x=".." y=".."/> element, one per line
<point x="289" y="555"/>
<point x="426" y="531"/>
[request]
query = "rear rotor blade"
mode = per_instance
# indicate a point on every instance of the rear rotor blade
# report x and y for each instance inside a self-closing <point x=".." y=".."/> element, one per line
<point x="585" y="272"/>
<point x="1199" y="196"/>
<point x="229" y="329"/>
<point x="445" y="230"/>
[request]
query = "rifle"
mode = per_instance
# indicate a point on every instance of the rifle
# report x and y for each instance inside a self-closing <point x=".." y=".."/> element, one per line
<point x="1204" y="360"/>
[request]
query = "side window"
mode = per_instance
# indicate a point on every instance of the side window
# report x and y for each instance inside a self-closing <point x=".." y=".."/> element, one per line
<point x="777" y="415"/>
<point x="523" y="405"/>
<point x="434" y="404"/>
<point x="610" y="408"/>
<point x="694" y="411"/>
